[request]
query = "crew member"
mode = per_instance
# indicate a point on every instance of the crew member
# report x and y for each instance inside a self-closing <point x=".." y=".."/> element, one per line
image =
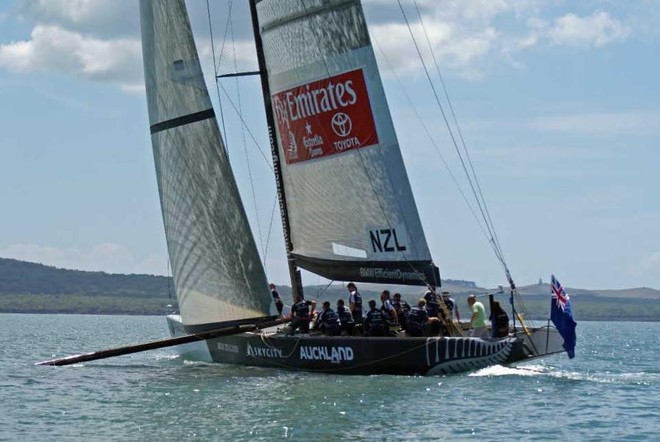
<point x="500" y="321"/>
<point x="354" y="302"/>
<point x="374" y="323"/>
<point x="345" y="317"/>
<point x="402" y="309"/>
<point x="451" y="305"/>
<point x="478" y="319"/>
<point x="418" y="320"/>
<point x="388" y="310"/>
<point x="301" y="314"/>
<point x="432" y="304"/>
<point x="327" y="321"/>
<point x="279" y="305"/>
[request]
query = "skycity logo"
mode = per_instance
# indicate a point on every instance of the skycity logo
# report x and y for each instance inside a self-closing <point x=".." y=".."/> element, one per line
<point x="264" y="352"/>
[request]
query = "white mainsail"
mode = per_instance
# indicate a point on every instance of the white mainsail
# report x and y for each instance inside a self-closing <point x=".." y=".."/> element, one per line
<point x="352" y="214"/>
<point x="218" y="275"/>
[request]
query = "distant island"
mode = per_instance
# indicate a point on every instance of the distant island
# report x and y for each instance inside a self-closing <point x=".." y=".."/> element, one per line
<point x="27" y="287"/>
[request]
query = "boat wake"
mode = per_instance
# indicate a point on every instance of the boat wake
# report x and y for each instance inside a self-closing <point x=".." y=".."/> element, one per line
<point x="500" y="370"/>
<point x="637" y="378"/>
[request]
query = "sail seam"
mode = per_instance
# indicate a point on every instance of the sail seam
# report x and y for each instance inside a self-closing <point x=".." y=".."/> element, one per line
<point x="182" y="121"/>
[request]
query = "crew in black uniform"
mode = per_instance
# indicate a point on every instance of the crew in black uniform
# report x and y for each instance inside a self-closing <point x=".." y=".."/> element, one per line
<point x="327" y="321"/>
<point x="279" y="305"/>
<point x="388" y="310"/>
<point x="354" y="302"/>
<point x="432" y="304"/>
<point x="402" y="309"/>
<point x="374" y="323"/>
<point x="500" y="320"/>
<point x="418" y="319"/>
<point x="433" y="309"/>
<point x="300" y="314"/>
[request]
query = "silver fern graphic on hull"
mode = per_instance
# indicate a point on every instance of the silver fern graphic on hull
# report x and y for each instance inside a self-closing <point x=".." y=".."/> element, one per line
<point x="456" y="355"/>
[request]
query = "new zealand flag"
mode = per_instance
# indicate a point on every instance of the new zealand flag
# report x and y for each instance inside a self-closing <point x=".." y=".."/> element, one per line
<point x="561" y="315"/>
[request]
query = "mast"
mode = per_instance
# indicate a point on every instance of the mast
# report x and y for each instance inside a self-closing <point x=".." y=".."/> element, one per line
<point x="294" y="272"/>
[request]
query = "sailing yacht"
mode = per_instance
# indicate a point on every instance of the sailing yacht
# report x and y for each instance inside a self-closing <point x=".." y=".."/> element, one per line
<point x="346" y="203"/>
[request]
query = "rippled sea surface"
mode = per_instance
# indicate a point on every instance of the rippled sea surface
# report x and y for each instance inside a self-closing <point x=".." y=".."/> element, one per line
<point x="610" y="391"/>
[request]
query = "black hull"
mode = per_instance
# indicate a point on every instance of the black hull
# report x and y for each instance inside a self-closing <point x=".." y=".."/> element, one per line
<point x="362" y="355"/>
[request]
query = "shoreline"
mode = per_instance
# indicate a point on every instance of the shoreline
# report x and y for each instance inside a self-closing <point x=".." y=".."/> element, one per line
<point x="42" y="312"/>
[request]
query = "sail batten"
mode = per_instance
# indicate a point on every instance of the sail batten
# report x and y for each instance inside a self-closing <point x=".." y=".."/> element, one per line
<point x="351" y="211"/>
<point x="180" y="121"/>
<point x="218" y="274"/>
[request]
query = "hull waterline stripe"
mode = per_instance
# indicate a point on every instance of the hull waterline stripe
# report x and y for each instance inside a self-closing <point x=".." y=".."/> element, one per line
<point x="181" y="121"/>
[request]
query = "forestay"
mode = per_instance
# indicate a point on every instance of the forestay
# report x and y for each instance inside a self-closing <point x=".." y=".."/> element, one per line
<point x="352" y="215"/>
<point x="217" y="272"/>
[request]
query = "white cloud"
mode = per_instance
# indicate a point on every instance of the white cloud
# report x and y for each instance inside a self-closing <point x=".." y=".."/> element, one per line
<point x="596" y="30"/>
<point x="109" y="18"/>
<point x="465" y="34"/>
<point x="95" y="40"/>
<point x="99" y="39"/>
<point x="107" y="257"/>
<point x="53" y="49"/>
<point x="452" y="48"/>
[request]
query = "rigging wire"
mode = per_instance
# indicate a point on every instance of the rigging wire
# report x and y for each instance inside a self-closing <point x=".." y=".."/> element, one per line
<point x="471" y="178"/>
<point x="270" y="229"/>
<point x="247" y="128"/>
<point x="217" y="61"/>
<point x="430" y="137"/>
<point x="478" y="193"/>
<point x="215" y="69"/>
<point x="230" y="5"/>
<point x="245" y="149"/>
<point x="444" y="116"/>
<point x="459" y="131"/>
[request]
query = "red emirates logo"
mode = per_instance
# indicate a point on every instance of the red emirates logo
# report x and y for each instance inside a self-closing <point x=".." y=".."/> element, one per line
<point x="325" y="117"/>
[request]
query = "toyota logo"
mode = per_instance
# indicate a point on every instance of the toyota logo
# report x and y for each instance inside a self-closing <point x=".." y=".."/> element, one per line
<point x="341" y="124"/>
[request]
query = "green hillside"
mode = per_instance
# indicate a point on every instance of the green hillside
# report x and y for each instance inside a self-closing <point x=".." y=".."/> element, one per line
<point x="35" y="288"/>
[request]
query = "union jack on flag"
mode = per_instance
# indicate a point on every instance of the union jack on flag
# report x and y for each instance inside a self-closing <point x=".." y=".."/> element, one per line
<point x="561" y="314"/>
<point x="559" y="292"/>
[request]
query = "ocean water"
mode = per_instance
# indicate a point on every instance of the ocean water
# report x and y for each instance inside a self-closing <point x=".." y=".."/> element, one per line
<point x="610" y="391"/>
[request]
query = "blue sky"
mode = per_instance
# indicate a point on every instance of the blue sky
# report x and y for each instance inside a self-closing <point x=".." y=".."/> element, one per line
<point x="558" y="101"/>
